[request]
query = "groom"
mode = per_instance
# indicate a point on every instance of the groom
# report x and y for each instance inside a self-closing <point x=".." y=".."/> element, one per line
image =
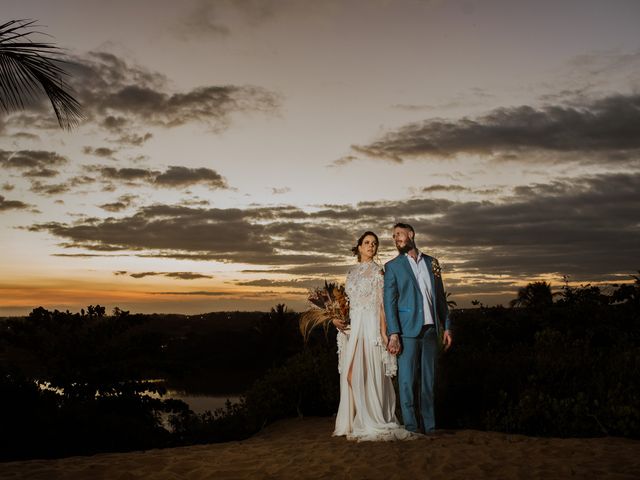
<point x="416" y="309"/>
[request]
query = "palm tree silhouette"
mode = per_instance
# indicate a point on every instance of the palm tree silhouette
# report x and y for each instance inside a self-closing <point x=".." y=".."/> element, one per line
<point x="534" y="295"/>
<point x="28" y="69"/>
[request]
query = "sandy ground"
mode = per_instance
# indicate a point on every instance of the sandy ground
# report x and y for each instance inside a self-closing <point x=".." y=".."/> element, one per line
<point x="304" y="448"/>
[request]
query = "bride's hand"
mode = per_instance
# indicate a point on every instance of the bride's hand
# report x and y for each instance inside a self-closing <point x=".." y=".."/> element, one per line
<point x="339" y="324"/>
<point x="394" y="347"/>
<point x="385" y="339"/>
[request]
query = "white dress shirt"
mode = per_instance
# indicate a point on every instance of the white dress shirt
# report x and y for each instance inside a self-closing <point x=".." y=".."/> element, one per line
<point x="423" y="277"/>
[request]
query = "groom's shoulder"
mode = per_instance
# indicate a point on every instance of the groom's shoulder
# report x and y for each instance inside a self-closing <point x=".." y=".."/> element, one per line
<point x="392" y="262"/>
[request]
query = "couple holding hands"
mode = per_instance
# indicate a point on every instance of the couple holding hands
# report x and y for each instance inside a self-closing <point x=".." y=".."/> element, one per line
<point x="396" y="321"/>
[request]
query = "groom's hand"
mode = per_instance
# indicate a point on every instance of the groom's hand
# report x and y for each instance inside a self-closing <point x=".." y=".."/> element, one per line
<point x="394" y="347"/>
<point x="447" y="340"/>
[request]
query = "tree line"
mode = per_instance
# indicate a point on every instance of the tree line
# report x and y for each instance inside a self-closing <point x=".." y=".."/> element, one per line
<point x="562" y="364"/>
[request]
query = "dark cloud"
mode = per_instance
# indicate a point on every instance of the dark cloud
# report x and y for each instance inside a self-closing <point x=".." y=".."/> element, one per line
<point x="459" y="189"/>
<point x="607" y="129"/>
<point x="124" y="202"/>
<point x="585" y="226"/>
<point x="122" y="97"/>
<point x="445" y="188"/>
<point x="186" y="275"/>
<point x="280" y="191"/>
<point x="81" y="180"/>
<point x="87" y="255"/>
<point x="247" y="236"/>
<point x="173" y="177"/>
<point x="12" y="204"/>
<point x="177" y="176"/>
<point x="116" y="94"/>
<point x="127" y="174"/>
<point x="60" y="188"/>
<point x="103" y="152"/>
<point x="31" y="160"/>
<point x="49" y="189"/>
<point x="134" y="139"/>
<point x="203" y="293"/>
<point x="7" y="187"/>
<point x="114" y="124"/>
<point x="195" y="202"/>
<point x="178" y="275"/>
<point x="42" y="172"/>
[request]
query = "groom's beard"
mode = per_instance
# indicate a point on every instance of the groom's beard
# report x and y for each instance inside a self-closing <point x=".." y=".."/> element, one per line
<point x="406" y="248"/>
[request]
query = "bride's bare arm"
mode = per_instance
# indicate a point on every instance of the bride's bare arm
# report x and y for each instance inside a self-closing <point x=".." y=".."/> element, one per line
<point x="383" y="326"/>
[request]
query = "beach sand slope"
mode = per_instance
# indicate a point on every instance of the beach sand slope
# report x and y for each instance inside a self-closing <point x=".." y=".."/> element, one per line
<point x="304" y="449"/>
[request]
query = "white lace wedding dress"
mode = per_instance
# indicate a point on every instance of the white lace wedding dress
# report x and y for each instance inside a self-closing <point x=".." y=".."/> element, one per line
<point x="367" y="406"/>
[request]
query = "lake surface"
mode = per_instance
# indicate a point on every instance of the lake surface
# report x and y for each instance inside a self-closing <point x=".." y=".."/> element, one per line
<point x="202" y="403"/>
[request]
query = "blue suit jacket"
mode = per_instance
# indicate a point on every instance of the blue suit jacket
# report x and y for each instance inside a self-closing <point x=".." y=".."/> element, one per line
<point x="403" y="303"/>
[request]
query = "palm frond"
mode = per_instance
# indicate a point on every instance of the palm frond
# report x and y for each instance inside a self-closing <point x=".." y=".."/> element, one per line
<point x="28" y="69"/>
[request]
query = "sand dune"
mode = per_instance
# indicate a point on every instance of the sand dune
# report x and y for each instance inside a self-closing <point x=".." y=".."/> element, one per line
<point x="303" y="448"/>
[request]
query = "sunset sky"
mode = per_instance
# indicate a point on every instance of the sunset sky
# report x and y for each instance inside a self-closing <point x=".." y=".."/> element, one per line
<point x="233" y="151"/>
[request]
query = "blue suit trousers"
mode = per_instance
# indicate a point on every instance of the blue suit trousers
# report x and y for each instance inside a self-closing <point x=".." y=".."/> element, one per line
<point x="418" y="355"/>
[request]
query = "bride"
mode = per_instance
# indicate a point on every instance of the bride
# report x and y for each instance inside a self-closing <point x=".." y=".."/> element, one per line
<point x="367" y="399"/>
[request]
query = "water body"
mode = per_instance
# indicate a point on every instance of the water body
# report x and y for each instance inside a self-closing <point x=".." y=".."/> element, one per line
<point x="202" y="403"/>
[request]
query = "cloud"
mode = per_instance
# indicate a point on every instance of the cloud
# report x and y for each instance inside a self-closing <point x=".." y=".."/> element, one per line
<point x="195" y="202"/>
<point x="177" y="176"/>
<point x="33" y="163"/>
<point x="60" y="188"/>
<point x="458" y="189"/>
<point x="122" y="97"/>
<point x="115" y="93"/>
<point x="203" y="293"/>
<point x="103" y="152"/>
<point x="7" y="187"/>
<point x="127" y="174"/>
<point x="42" y="172"/>
<point x="12" y="204"/>
<point x="583" y="226"/>
<point x="134" y="139"/>
<point x="445" y="188"/>
<point x="607" y="129"/>
<point x="87" y="255"/>
<point x="49" y="189"/>
<point x="186" y="275"/>
<point x="173" y="177"/>
<point x="248" y="236"/>
<point x="124" y="202"/>
<point x="280" y="191"/>
<point x="178" y="275"/>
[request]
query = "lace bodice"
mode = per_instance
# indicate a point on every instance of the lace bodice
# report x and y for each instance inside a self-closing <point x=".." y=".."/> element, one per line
<point x="364" y="285"/>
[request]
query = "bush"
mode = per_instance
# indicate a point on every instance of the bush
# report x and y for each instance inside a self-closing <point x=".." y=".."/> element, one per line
<point x="567" y="370"/>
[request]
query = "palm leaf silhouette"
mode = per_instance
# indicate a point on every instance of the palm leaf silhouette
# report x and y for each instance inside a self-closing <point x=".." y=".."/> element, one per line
<point x="28" y="69"/>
